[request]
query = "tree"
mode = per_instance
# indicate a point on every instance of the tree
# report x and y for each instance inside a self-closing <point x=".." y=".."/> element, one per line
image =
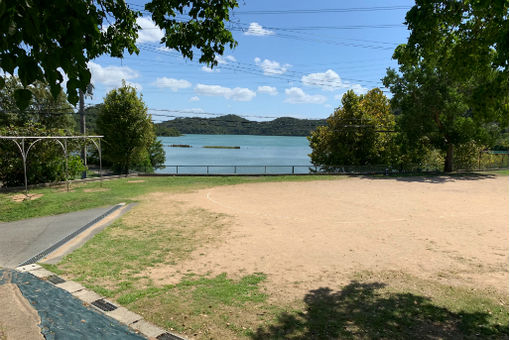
<point x="358" y="133"/>
<point x="45" y="162"/>
<point x="44" y="40"/>
<point x="452" y="84"/>
<point x="44" y="109"/>
<point x="45" y="115"/>
<point x="156" y="154"/>
<point x="127" y="128"/>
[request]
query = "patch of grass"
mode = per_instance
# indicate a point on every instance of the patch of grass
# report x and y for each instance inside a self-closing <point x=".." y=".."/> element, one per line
<point x="222" y="290"/>
<point x="392" y="306"/>
<point x="503" y="172"/>
<point x="115" y="258"/>
<point x="52" y="268"/>
<point x="205" y="307"/>
<point x="57" y="201"/>
<point x="2" y="333"/>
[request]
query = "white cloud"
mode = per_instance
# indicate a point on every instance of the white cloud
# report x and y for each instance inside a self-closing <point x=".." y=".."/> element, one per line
<point x="237" y="94"/>
<point x="331" y="81"/>
<point x="358" y="89"/>
<point x="112" y="76"/>
<point x="171" y="83"/>
<point x="209" y="70"/>
<point x="166" y="49"/>
<point x="270" y="90"/>
<point x="296" y="95"/>
<point x="271" y="67"/>
<point x="65" y="78"/>
<point x="149" y="32"/>
<point x="328" y="80"/>
<point x="194" y="99"/>
<point x="224" y="59"/>
<point x="194" y="110"/>
<point x="257" y="30"/>
<point x="221" y="61"/>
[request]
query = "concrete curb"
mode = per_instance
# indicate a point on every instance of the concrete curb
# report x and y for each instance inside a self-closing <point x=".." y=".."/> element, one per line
<point x="119" y="313"/>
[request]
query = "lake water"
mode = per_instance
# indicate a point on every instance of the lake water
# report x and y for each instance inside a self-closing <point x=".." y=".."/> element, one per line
<point x="271" y="154"/>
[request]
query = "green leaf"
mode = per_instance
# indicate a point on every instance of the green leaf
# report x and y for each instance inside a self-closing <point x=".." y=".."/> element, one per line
<point x="22" y="97"/>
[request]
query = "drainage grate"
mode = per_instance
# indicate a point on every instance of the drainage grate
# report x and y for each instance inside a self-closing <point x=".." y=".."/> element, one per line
<point x="68" y="237"/>
<point x="55" y="279"/>
<point x="168" y="336"/>
<point x="104" y="305"/>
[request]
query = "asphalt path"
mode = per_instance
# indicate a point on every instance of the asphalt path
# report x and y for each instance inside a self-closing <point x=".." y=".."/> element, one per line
<point x="21" y="240"/>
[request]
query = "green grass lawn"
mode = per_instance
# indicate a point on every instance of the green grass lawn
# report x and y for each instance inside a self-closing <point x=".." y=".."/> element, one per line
<point x="82" y="195"/>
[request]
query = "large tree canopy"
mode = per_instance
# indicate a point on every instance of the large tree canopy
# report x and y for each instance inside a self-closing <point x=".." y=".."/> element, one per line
<point x="43" y="39"/>
<point x="357" y="133"/>
<point x="129" y="138"/>
<point x="452" y="84"/>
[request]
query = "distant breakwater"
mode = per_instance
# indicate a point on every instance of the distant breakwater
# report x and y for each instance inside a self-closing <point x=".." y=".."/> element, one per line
<point x="205" y="146"/>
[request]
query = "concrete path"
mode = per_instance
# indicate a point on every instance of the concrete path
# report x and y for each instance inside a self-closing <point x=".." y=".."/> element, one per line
<point x="21" y="240"/>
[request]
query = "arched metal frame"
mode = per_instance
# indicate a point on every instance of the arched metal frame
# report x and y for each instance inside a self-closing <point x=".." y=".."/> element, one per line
<point x="62" y="141"/>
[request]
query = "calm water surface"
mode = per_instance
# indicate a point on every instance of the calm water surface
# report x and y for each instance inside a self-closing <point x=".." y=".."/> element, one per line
<point x="254" y="150"/>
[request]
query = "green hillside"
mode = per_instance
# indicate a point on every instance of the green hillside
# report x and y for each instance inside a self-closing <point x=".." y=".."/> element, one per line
<point x="235" y="125"/>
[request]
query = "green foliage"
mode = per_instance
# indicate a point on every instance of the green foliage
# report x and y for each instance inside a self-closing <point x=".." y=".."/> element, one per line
<point x="45" y="115"/>
<point x="128" y="131"/>
<point x="41" y="39"/>
<point x="356" y="133"/>
<point x="156" y="154"/>
<point x="91" y="114"/>
<point x="51" y="112"/>
<point x="452" y="84"/>
<point x="235" y="125"/>
<point x="45" y="162"/>
<point x="166" y="131"/>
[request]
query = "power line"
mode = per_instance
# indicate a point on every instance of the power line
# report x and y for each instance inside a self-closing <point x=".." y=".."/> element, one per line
<point x="252" y="69"/>
<point x="321" y="10"/>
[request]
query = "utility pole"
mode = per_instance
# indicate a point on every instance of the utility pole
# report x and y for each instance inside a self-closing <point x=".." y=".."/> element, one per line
<point x="83" y="130"/>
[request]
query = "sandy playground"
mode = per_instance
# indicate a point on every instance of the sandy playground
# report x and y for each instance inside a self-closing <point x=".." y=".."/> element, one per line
<point x="306" y="235"/>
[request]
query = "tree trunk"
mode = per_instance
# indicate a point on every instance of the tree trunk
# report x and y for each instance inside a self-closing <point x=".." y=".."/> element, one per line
<point x="448" y="161"/>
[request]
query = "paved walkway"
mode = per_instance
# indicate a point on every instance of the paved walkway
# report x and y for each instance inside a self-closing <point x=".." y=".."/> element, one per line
<point x="21" y="240"/>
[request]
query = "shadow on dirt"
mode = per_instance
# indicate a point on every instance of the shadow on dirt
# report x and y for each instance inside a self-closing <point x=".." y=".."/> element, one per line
<point x="433" y="178"/>
<point x="358" y="311"/>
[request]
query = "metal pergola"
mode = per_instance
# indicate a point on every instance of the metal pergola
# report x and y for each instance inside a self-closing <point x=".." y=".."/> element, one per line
<point x="24" y="149"/>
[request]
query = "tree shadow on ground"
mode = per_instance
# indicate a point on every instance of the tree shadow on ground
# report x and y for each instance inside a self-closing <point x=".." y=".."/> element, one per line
<point x="433" y="178"/>
<point x="360" y="312"/>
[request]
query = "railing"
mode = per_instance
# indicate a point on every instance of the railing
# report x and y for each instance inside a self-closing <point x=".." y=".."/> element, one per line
<point x="256" y="169"/>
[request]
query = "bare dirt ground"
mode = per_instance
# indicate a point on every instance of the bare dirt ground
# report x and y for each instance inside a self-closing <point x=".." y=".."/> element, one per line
<point x="22" y="197"/>
<point x="20" y="320"/>
<point x="317" y="234"/>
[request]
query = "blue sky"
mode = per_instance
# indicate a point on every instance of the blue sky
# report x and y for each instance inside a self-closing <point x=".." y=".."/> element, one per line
<point x="294" y="58"/>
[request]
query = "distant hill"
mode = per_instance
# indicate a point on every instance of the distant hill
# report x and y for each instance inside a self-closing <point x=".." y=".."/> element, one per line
<point x="235" y="125"/>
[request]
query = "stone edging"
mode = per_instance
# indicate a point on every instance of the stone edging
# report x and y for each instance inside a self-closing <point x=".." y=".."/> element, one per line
<point x="89" y="298"/>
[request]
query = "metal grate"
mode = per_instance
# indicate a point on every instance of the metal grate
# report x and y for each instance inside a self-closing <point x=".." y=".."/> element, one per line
<point x="104" y="305"/>
<point x="168" y="336"/>
<point x="55" y="279"/>
<point x="68" y="237"/>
